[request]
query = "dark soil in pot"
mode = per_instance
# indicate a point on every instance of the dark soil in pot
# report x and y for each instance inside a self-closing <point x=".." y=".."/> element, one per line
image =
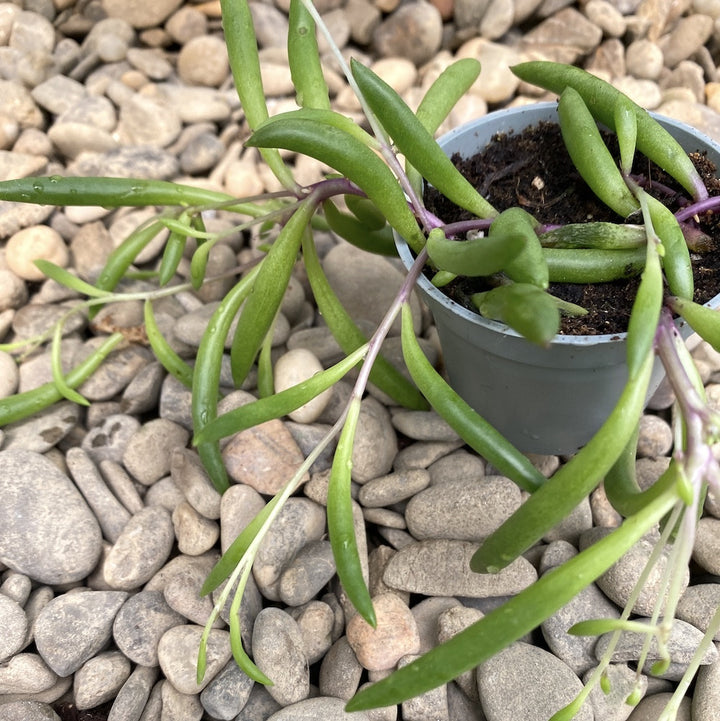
<point x="533" y="170"/>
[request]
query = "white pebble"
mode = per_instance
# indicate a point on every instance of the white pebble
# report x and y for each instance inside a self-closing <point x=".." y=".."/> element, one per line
<point x="293" y="367"/>
<point x="38" y="242"/>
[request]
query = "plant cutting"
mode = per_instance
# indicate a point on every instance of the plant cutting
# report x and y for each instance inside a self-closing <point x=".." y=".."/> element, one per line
<point x="370" y="195"/>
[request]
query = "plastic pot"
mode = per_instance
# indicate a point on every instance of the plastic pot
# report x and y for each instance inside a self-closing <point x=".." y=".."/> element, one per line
<point x="544" y="400"/>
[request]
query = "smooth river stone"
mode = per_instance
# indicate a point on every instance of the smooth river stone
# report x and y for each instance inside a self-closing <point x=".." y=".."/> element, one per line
<point x="415" y="567"/>
<point x="47" y="530"/>
<point x="142" y="548"/>
<point x="72" y="628"/>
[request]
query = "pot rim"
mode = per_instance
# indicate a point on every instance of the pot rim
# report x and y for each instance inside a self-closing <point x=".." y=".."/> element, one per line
<point x="540" y="111"/>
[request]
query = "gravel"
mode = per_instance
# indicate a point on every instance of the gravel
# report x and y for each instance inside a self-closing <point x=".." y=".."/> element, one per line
<point x="109" y="524"/>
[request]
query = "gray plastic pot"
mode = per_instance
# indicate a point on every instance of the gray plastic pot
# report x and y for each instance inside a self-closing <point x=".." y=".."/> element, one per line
<point x="549" y="401"/>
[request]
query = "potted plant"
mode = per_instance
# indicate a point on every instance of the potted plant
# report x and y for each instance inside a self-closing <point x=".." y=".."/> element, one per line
<point x="545" y="399"/>
<point x="383" y="197"/>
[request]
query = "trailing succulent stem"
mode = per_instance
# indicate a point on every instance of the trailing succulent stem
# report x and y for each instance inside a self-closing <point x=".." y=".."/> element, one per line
<point x="374" y="196"/>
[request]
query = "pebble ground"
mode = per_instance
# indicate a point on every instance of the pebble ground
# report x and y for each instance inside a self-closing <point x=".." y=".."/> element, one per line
<point x="108" y="523"/>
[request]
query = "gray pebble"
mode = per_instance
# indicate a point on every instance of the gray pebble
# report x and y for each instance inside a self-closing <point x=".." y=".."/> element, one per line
<point x="623" y="680"/>
<point x="29" y="711"/>
<point x="140" y="624"/>
<point x="464" y="510"/>
<point x="706" y="550"/>
<point x="142" y="548"/>
<point x="111" y="514"/>
<point x="618" y="582"/>
<point x="305" y="576"/>
<point x="706" y="697"/>
<point x="133" y="696"/>
<point x="177" y="705"/>
<point x="14" y="624"/>
<point x="226" y="695"/>
<point x="375" y="442"/>
<point x="147" y="162"/>
<point x="651" y="707"/>
<point x="316" y="621"/>
<point x="656" y="437"/>
<point x="182" y="592"/>
<point x="117" y="370"/>
<point x="459" y="465"/>
<point x="260" y="706"/>
<point x="16" y="586"/>
<point x="698" y="604"/>
<point x="43" y="430"/>
<point x="423" y="426"/>
<point x="575" y="523"/>
<point x="299" y="522"/>
<point x="202" y="154"/>
<point x="195" y="534"/>
<point x="175" y="402"/>
<point x="320" y="707"/>
<point x="178" y="652"/>
<point x="682" y="644"/>
<point x="450" y="623"/>
<point x="340" y="671"/>
<point x="9" y="375"/>
<point x="72" y="628"/>
<point x="192" y="479"/>
<point x="413" y="569"/>
<point x="413" y="31"/>
<point x="46" y="529"/>
<point x="423" y="454"/>
<point x="120" y="483"/>
<point x="164" y="493"/>
<point x="108" y="441"/>
<point x="393" y="488"/>
<point x="308" y="437"/>
<point x="26" y="673"/>
<point x="278" y="652"/>
<point x="427" y="616"/>
<point x="577" y="651"/>
<point x="149" y="450"/>
<point x="142" y="393"/>
<point x="100" y="679"/>
<point x="431" y="705"/>
<point x="238" y="506"/>
<point x="547" y="685"/>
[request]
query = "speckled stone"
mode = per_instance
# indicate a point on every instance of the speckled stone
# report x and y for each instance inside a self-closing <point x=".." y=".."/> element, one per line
<point x="278" y="652"/>
<point x="414" y="568"/>
<point x="72" y="628"/>
<point x="140" y="624"/>
<point x="142" y="548"/>
<point x="177" y="654"/>
<point x="547" y="685"/>
<point x="47" y="530"/>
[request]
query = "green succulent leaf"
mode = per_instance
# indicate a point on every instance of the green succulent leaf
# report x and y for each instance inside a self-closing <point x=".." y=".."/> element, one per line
<point x="475" y="257"/>
<point x="357" y="233"/>
<point x="262" y="305"/>
<point x="352" y="158"/>
<point x="591" y="156"/>
<point x="524" y="307"/>
<point x="341" y="528"/>
<point x="241" y="43"/>
<point x="304" y="59"/>
<point x="417" y="144"/>
<point x="468" y="424"/>
<point x="529" y="266"/>
<point x="601" y="97"/>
